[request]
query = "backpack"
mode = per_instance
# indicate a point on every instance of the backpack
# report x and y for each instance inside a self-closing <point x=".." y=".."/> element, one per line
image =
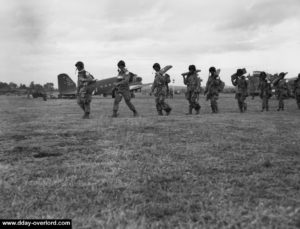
<point x="91" y="86"/>
<point x="167" y="78"/>
<point x="131" y="77"/>
<point x="221" y="85"/>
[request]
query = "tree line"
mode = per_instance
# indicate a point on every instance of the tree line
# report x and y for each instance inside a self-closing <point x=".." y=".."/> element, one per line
<point x="32" y="85"/>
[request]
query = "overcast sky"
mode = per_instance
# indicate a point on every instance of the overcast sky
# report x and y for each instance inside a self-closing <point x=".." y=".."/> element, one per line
<point x="40" y="39"/>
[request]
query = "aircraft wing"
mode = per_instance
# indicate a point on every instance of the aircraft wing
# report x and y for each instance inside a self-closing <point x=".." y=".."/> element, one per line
<point x="147" y="84"/>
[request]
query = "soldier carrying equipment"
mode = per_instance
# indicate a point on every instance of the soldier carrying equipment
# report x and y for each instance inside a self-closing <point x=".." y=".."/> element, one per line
<point x="282" y="90"/>
<point x="265" y="91"/>
<point x="193" y="83"/>
<point x="213" y="87"/>
<point x="122" y="89"/>
<point x="239" y="81"/>
<point x="159" y="89"/>
<point x="84" y="92"/>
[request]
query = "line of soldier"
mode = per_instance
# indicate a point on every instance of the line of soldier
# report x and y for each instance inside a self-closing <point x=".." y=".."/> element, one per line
<point x="238" y="79"/>
<point x="191" y="79"/>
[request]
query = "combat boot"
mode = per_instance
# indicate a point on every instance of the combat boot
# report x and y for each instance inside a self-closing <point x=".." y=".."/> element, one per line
<point x="241" y="109"/>
<point x="198" y="107"/>
<point x="280" y="108"/>
<point x="213" y="109"/>
<point x="160" y="113"/>
<point x="245" y="106"/>
<point x="86" y="115"/>
<point x="168" y="111"/>
<point x="115" y="114"/>
<point x="216" y="109"/>
<point x="135" y="113"/>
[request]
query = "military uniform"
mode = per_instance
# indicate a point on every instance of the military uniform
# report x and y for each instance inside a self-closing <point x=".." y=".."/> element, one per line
<point x="265" y="93"/>
<point x="159" y="88"/>
<point x="84" y="91"/>
<point x="282" y="91"/>
<point x="122" y="90"/>
<point x="297" y="91"/>
<point x="241" y="91"/>
<point x="213" y="87"/>
<point x="192" y="81"/>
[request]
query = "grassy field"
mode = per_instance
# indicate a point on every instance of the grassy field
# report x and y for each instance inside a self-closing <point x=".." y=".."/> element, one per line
<point x="226" y="170"/>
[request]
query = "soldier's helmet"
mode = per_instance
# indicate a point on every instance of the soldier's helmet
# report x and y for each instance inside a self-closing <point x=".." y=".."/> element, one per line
<point x="121" y="63"/>
<point x="263" y="75"/>
<point x="212" y="69"/>
<point x="192" y="68"/>
<point x="79" y="64"/>
<point x="156" y="66"/>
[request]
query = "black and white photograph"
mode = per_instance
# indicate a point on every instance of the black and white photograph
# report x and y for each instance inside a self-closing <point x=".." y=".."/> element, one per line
<point x="150" y="114"/>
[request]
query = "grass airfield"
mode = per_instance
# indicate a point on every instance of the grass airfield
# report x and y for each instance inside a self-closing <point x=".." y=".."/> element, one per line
<point x="226" y="170"/>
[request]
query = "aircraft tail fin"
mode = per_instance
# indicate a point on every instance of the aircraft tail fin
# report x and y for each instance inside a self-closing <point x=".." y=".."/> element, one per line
<point x="66" y="85"/>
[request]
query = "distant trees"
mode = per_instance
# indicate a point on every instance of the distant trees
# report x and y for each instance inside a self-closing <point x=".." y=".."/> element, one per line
<point x="12" y="86"/>
<point x="22" y="86"/>
<point x="49" y="87"/>
<point x="4" y="85"/>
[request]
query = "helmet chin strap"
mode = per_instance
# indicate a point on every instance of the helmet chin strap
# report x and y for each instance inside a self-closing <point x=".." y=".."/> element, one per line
<point x="76" y="70"/>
